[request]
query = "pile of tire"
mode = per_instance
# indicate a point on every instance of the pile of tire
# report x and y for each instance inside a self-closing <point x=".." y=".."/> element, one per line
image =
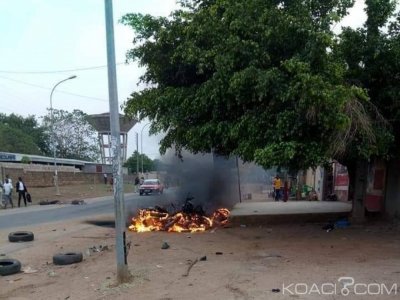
<point x="10" y="266"/>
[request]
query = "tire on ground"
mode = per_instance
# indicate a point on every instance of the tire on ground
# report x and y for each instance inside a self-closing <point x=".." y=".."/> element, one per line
<point x="49" y="202"/>
<point x="20" y="236"/>
<point x="9" y="266"/>
<point x="67" y="258"/>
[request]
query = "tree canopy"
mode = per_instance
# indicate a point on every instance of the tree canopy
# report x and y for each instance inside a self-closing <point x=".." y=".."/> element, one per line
<point x="262" y="79"/>
<point x="372" y="56"/>
<point x="74" y="137"/>
<point x="22" y="135"/>
<point x="131" y="163"/>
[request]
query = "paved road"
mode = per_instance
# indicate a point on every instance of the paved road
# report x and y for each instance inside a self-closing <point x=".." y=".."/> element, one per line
<point x="19" y="217"/>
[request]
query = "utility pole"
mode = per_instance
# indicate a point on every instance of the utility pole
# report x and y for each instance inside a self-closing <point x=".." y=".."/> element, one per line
<point x="53" y="139"/>
<point x="141" y="144"/>
<point x="137" y="153"/>
<point x="119" y="205"/>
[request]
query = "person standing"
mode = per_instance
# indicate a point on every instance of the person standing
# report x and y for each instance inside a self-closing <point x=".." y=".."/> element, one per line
<point x="21" y="189"/>
<point x="277" y="183"/>
<point x="105" y="178"/>
<point x="7" y="188"/>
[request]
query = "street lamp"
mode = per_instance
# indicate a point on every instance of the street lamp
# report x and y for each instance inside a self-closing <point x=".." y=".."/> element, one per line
<point x="141" y="144"/>
<point x="53" y="142"/>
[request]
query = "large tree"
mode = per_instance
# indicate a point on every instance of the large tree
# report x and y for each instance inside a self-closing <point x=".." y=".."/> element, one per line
<point x="372" y="55"/>
<point x="131" y="163"/>
<point x="255" y="78"/>
<point x="72" y="135"/>
<point x="22" y="135"/>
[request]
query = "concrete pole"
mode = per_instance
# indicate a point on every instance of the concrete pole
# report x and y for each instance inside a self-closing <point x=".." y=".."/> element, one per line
<point x="141" y="145"/>
<point x="238" y="180"/>
<point x="137" y="153"/>
<point x="119" y="205"/>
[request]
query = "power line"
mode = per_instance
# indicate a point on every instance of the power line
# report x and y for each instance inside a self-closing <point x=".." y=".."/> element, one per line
<point x="57" y="71"/>
<point x="47" y="88"/>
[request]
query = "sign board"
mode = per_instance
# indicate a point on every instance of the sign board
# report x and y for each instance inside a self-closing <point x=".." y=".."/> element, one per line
<point x="7" y="157"/>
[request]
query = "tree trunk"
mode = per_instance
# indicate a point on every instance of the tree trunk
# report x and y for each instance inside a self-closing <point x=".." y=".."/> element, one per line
<point x="358" y="179"/>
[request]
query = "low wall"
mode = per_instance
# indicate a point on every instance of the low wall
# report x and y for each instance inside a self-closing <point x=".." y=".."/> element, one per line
<point x="46" y="178"/>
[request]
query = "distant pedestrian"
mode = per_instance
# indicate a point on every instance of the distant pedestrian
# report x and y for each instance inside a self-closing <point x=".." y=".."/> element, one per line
<point x="7" y="188"/>
<point x="137" y="182"/>
<point x="22" y="190"/>
<point x="277" y="184"/>
<point x="111" y="182"/>
<point x="10" y="182"/>
<point x="105" y="178"/>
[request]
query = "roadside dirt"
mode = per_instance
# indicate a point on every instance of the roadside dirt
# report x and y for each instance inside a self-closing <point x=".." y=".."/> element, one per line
<point x="254" y="261"/>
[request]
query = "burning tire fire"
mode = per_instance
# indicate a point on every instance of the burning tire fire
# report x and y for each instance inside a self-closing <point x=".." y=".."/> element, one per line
<point x="161" y="220"/>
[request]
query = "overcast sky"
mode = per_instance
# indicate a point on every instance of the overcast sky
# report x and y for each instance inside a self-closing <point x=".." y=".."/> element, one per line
<point x="39" y="36"/>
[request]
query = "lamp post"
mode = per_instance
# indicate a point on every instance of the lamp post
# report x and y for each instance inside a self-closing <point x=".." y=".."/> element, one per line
<point x="141" y="144"/>
<point x="53" y="142"/>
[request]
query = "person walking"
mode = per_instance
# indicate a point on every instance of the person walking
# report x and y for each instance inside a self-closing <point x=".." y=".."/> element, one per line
<point x="22" y="190"/>
<point x="7" y="188"/>
<point x="10" y="182"/>
<point x="137" y="182"/>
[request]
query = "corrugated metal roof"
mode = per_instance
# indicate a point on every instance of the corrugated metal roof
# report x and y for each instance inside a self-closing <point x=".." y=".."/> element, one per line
<point x="17" y="157"/>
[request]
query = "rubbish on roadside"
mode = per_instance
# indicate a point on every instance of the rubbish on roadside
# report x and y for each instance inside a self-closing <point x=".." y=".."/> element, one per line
<point x="328" y="227"/>
<point x="78" y="202"/>
<point x="2" y="254"/>
<point x="28" y="270"/>
<point x="136" y="245"/>
<point x="47" y="202"/>
<point x="99" y="248"/>
<point x="9" y="266"/>
<point x="14" y="280"/>
<point x="243" y="226"/>
<point x="67" y="258"/>
<point x="272" y="256"/>
<point x="165" y="246"/>
<point x="20" y="236"/>
<point x="276" y="290"/>
<point x="203" y="258"/>
<point x="190" y="267"/>
<point x="159" y="266"/>
<point x="51" y="273"/>
<point x="342" y="223"/>
<point x="218" y="253"/>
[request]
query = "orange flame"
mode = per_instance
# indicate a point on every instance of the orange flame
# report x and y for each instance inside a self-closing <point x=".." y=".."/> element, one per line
<point x="154" y="220"/>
